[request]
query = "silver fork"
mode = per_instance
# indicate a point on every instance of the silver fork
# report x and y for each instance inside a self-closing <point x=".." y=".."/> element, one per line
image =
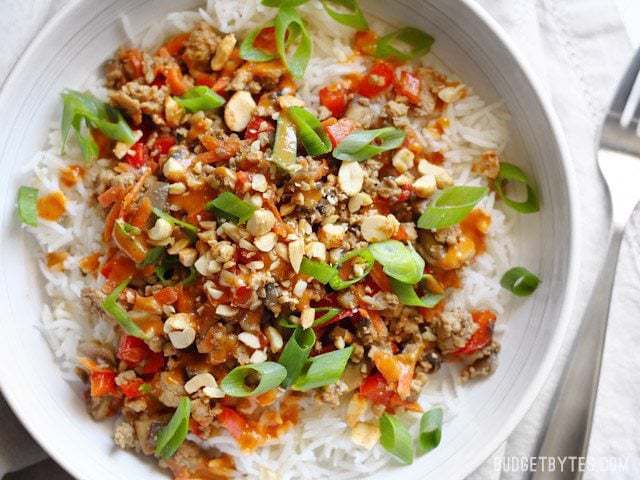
<point x="569" y="426"/>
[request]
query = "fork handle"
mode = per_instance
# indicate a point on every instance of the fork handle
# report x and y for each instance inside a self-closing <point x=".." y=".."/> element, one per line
<point x="568" y="429"/>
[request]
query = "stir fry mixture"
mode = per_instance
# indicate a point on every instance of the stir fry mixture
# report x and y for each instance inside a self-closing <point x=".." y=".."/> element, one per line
<point x="258" y="250"/>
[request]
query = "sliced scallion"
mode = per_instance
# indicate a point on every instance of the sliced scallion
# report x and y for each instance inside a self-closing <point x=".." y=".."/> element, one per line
<point x="338" y="283"/>
<point x="512" y="173"/>
<point x="165" y="268"/>
<point x="318" y="270"/>
<point x="312" y="135"/>
<point x="171" y="436"/>
<point x="154" y="255"/>
<point x="112" y="307"/>
<point x="408" y="296"/>
<point x="330" y="315"/>
<point x="347" y="13"/>
<point x="289" y="23"/>
<point x="520" y="281"/>
<point x="28" y="205"/>
<point x="191" y="277"/>
<point x="451" y="206"/>
<point x="269" y="376"/>
<point x="187" y="227"/>
<point x="405" y="44"/>
<point x="398" y="261"/>
<point x="251" y="53"/>
<point x="283" y="3"/>
<point x="395" y="438"/>
<point x="285" y="146"/>
<point x="295" y="353"/>
<point x="200" y="98"/>
<point x="82" y="111"/>
<point x="360" y="146"/>
<point x="126" y="228"/>
<point x="324" y="369"/>
<point x="430" y="430"/>
<point x="229" y="206"/>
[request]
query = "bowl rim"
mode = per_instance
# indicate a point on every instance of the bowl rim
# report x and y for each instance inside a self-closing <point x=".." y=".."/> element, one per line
<point x="534" y="387"/>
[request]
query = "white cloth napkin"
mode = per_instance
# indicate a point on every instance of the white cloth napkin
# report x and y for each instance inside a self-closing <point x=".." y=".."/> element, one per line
<point x="579" y="48"/>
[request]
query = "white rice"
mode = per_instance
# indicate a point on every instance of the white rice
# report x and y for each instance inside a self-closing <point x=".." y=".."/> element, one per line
<point x="320" y="446"/>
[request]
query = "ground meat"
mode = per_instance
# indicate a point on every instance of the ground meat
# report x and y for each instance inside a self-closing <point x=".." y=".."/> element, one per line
<point x="200" y="47"/>
<point x="449" y="236"/>
<point x="360" y="112"/>
<point x="97" y="351"/>
<point x="124" y="436"/>
<point x="146" y="429"/>
<point x="92" y="299"/>
<point x="453" y="329"/>
<point x="427" y="246"/>
<point x="114" y="73"/>
<point x="483" y="365"/>
<point x="136" y="99"/>
<point x="487" y="164"/>
<point x="103" y="407"/>
<point x="171" y="390"/>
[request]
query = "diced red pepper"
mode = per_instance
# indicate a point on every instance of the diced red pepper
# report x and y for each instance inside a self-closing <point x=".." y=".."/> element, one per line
<point x="153" y="363"/>
<point x="266" y="40"/>
<point x="103" y="383"/>
<point x="164" y="143"/>
<point x="376" y="389"/>
<point x="409" y="86"/>
<point x="138" y="157"/>
<point x="256" y="126"/>
<point x="118" y="267"/>
<point x="132" y="349"/>
<point x="334" y="98"/>
<point x="241" y="296"/>
<point x="482" y="337"/>
<point x="338" y="131"/>
<point x="380" y="278"/>
<point x="235" y="423"/>
<point x="131" y="389"/>
<point x="176" y="43"/>
<point x="365" y="42"/>
<point x="379" y="78"/>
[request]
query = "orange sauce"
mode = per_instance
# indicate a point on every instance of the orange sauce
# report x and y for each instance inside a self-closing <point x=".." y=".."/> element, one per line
<point x="148" y="322"/>
<point x="437" y="158"/>
<point x="70" y="175"/>
<point x="90" y="263"/>
<point x="52" y="206"/>
<point x="457" y="255"/>
<point x="55" y="260"/>
<point x="476" y="226"/>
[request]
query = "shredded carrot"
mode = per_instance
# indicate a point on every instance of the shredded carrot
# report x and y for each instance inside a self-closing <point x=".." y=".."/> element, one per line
<point x="175" y="80"/>
<point x="110" y="221"/>
<point x="380" y="278"/>
<point x="132" y="194"/>
<point x="111" y="195"/>
<point x="143" y="213"/>
<point x="176" y="43"/>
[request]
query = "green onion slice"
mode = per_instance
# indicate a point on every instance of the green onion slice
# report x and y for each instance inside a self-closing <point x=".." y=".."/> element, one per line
<point x="312" y="135"/>
<point x="330" y="315"/>
<point x="408" y="296"/>
<point x="324" y="369"/>
<point x="271" y="374"/>
<point x="187" y="227"/>
<point x="512" y="173"/>
<point x="174" y="433"/>
<point x="165" y="268"/>
<point x="200" y="98"/>
<point x="82" y="111"/>
<point x="295" y="353"/>
<point x="28" y="205"/>
<point x="288" y="21"/>
<point x="337" y="283"/>
<point x="365" y="144"/>
<point x="145" y="388"/>
<point x="398" y="261"/>
<point x="126" y="228"/>
<point x="113" y="308"/>
<point x="318" y="270"/>
<point x="229" y="206"/>
<point x="520" y="281"/>
<point x="283" y="3"/>
<point x="451" y="206"/>
<point x="189" y="279"/>
<point x="154" y="255"/>
<point x="285" y="146"/>
<point x="405" y="44"/>
<point x="250" y="52"/>
<point x="395" y="438"/>
<point x="348" y="13"/>
<point x="430" y="430"/>
<point x="283" y="321"/>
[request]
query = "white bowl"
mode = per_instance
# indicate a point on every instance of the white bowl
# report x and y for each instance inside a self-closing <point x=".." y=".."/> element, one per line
<point x="73" y="45"/>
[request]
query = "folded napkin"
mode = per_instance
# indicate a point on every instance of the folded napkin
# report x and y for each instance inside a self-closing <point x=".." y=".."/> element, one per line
<point x="579" y="49"/>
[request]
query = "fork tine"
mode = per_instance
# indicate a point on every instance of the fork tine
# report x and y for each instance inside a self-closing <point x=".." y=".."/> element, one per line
<point x="625" y="88"/>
